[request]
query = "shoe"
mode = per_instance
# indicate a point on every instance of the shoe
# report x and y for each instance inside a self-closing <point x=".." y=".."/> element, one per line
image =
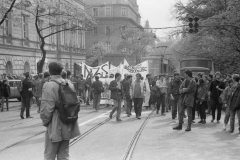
<point x="225" y="127"/>
<point x="29" y="117"/>
<point x="138" y="117"/>
<point x="163" y="114"/>
<point x="193" y="121"/>
<point x="204" y="122"/>
<point x="119" y="120"/>
<point x="188" y="129"/>
<point x="200" y="121"/>
<point x="218" y="121"/>
<point x="110" y="116"/>
<point x="157" y="111"/>
<point x="212" y="120"/>
<point x="22" y="117"/>
<point x="231" y="131"/>
<point x="179" y="127"/>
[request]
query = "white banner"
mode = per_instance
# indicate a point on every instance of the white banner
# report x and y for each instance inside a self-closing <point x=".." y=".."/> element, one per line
<point x="102" y="71"/>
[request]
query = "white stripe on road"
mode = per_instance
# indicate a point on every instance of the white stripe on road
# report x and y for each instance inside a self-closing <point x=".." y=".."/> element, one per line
<point x="93" y="119"/>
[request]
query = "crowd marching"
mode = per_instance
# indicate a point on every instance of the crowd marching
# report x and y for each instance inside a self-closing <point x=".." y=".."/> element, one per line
<point x="182" y="95"/>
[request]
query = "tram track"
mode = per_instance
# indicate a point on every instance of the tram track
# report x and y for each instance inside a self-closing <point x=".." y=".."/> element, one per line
<point x="131" y="148"/>
<point x="72" y="142"/>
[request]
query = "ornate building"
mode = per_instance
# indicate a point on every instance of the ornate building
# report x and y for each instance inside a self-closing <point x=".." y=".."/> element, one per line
<point x="112" y="17"/>
<point x="19" y="42"/>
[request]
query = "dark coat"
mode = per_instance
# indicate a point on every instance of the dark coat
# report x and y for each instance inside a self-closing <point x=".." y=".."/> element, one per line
<point x="26" y="85"/>
<point x="235" y="100"/>
<point x="116" y="93"/>
<point x="6" y="90"/>
<point x="188" y="96"/>
<point x="174" y="86"/>
<point x="1" y="89"/>
<point x="97" y="87"/>
<point x="215" y="93"/>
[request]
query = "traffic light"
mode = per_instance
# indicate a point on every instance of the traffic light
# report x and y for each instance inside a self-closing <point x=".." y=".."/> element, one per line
<point x="196" y="25"/>
<point x="193" y="25"/>
<point x="190" y="25"/>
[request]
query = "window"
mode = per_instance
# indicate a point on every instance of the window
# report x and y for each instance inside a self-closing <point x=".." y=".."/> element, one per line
<point x="95" y="12"/>
<point x="8" y="22"/>
<point x="52" y="38"/>
<point x="95" y="31"/>
<point x="80" y="39"/>
<point x="108" y="11"/>
<point x="108" y="31"/>
<point x="124" y="11"/>
<point x="25" y="27"/>
<point x="108" y="46"/>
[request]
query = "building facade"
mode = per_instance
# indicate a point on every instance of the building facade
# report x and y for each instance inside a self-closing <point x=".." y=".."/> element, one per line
<point x="112" y="18"/>
<point x="20" y="43"/>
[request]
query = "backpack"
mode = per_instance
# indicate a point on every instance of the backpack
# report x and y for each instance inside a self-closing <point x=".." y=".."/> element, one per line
<point x="68" y="105"/>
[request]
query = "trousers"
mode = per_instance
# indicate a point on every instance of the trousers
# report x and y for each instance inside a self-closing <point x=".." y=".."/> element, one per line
<point x="175" y="106"/>
<point x="128" y="106"/>
<point x="25" y="105"/>
<point x="181" y="110"/>
<point x="117" y="107"/>
<point x="202" y="110"/>
<point x="53" y="150"/>
<point x="96" y="101"/>
<point x="161" y="102"/>
<point x="227" y="116"/>
<point x="232" y="118"/>
<point x="215" y="105"/>
<point x="138" y="102"/>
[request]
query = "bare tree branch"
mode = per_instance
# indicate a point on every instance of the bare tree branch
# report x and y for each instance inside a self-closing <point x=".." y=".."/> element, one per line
<point x="7" y="12"/>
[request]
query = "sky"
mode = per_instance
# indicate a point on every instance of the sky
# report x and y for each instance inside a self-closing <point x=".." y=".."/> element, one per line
<point x="160" y="13"/>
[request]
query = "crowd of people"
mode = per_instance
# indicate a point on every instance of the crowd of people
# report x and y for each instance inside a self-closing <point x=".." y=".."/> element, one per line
<point x="202" y="94"/>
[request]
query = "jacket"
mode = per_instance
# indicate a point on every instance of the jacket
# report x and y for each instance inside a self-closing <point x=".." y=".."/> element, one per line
<point x="235" y="100"/>
<point x="126" y="85"/>
<point x="116" y="93"/>
<point x="26" y="85"/>
<point x="187" y="96"/>
<point x="202" y="93"/>
<point x="6" y="90"/>
<point x="174" y="86"/>
<point x="143" y="88"/>
<point x="37" y="88"/>
<point x="56" y="130"/>
<point x="97" y="87"/>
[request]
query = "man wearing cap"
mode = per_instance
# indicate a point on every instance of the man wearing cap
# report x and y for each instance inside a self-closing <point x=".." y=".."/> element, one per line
<point x="174" y="93"/>
<point x="216" y="88"/>
<point x="187" y="91"/>
<point x="26" y="94"/>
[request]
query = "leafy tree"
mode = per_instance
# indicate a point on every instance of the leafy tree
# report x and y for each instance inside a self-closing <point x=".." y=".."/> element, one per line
<point x="135" y="42"/>
<point x="219" y="33"/>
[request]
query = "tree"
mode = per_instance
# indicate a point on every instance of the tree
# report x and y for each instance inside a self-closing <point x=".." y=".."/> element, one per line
<point x="135" y="42"/>
<point x="219" y="33"/>
<point x="5" y="8"/>
<point x="63" y="17"/>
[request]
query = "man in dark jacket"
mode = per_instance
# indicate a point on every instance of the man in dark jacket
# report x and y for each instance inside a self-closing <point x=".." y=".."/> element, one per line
<point x="187" y="91"/>
<point x="26" y="94"/>
<point x="81" y="84"/>
<point x="117" y="95"/>
<point x="97" y="89"/>
<point x="126" y="93"/>
<point x="5" y="93"/>
<point x="216" y="88"/>
<point x="174" y="93"/>
<point x="235" y="105"/>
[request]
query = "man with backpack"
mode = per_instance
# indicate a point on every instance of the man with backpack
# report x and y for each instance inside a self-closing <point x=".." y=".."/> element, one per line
<point x="59" y="114"/>
<point x="97" y="89"/>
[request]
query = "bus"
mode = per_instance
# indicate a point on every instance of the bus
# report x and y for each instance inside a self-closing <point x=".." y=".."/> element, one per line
<point x="197" y="65"/>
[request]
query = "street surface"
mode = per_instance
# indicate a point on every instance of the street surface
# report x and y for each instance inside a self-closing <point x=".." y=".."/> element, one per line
<point x="104" y="139"/>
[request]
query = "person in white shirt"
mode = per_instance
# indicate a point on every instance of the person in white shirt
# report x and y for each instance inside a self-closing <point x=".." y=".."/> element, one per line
<point x="161" y="83"/>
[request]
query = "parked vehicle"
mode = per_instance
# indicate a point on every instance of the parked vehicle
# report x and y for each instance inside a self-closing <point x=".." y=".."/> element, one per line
<point x="15" y="86"/>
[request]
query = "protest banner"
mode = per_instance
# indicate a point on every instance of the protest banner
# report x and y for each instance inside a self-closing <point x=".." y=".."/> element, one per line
<point x="102" y="71"/>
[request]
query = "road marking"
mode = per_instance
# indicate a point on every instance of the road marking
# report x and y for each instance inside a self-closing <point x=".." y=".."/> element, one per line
<point x="93" y="119"/>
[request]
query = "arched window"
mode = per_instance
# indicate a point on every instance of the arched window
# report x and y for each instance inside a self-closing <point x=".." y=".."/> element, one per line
<point x="26" y="67"/>
<point x="9" y="68"/>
